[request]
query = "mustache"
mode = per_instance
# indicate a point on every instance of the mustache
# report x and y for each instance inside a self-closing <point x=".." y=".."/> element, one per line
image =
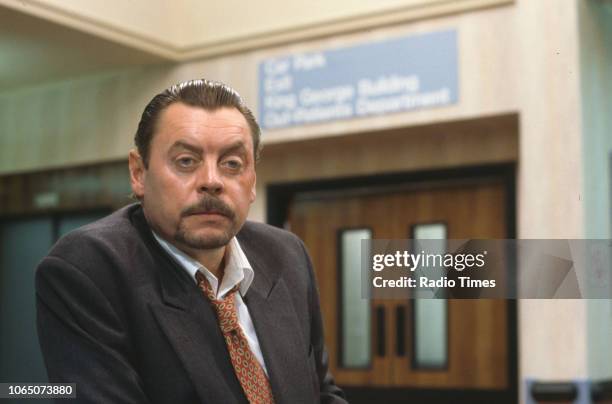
<point x="209" y="204"/>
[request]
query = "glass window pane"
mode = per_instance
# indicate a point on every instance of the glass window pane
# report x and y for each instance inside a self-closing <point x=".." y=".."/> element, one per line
<point x="430" y="231"/>
<point x="430" y="315"/>
<point x="430" y="338"/>
<point x="356" y="342"/>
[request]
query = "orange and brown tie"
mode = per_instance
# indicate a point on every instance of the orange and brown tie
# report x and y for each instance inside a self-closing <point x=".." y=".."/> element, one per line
<point x="249" y="372"/>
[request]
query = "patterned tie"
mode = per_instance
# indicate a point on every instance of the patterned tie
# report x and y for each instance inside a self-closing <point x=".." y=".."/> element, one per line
<point x="248" y="370"/>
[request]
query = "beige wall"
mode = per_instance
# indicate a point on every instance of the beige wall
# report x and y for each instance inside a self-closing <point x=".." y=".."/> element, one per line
<point x="553" y="333"/>
<point x="74" y="122"/>
<point x="519" y="60"/>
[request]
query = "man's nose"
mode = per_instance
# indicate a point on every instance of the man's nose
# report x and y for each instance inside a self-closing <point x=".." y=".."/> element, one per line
<point x="209" y="178"/>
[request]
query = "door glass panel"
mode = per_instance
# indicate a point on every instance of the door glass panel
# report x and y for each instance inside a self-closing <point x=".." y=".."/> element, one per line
<point x="23" y="243"/>
<point x="430" y="315"/>
<point x="71" y="222"/>
<point x="355" y="331"/>
<point x="430" y="231"/>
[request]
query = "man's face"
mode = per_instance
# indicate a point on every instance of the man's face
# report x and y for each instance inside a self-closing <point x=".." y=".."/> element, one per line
<point x="200" y="181"/>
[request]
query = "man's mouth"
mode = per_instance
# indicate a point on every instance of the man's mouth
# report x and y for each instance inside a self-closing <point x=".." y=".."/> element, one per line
<point x="207" y="213"/>
<point x="209" y="207"/>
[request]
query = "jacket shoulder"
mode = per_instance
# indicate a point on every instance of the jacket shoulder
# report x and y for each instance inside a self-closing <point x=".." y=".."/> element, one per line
<point x="264" y="234"/>
<point x="279" y="252"/>
<point x="109" y="239"/>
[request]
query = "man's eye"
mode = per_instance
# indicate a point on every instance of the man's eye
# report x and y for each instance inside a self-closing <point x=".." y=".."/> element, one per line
<point x="185" y="162"/>
<point x="233" y="164"/>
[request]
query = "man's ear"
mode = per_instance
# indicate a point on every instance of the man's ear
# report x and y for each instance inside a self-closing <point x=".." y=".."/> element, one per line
<point x="138" y="173"/>
<point x="253" y="190"/>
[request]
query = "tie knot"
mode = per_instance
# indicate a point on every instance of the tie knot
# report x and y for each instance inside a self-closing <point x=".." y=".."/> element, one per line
<point x="225" y="307"/>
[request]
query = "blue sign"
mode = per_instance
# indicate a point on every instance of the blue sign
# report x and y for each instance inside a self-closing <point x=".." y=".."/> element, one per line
<point x="383" y="77"/>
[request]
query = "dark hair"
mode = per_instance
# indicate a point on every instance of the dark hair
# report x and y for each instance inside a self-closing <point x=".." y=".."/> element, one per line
<point x="209" y="95"/>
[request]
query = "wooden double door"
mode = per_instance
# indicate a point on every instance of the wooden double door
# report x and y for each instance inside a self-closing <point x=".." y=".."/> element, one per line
<point x="409" y="345"/>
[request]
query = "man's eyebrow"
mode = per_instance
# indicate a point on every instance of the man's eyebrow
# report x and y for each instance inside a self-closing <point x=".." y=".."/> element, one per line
<point x="179" y="144"/>
<point x="234" y="148"/>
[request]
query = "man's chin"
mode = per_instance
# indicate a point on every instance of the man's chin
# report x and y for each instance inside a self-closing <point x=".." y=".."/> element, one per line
<point x="204" y="239"/>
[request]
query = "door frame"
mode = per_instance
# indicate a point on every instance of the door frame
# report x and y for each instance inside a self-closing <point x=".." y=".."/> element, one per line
<point x="278" y="200"/>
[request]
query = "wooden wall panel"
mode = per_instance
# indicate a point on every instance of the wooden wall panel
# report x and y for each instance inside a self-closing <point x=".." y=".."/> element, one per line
<point x="100" y="186"/>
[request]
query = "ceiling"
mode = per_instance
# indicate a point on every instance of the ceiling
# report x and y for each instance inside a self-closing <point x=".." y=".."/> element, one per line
<point x="34" y="51"/>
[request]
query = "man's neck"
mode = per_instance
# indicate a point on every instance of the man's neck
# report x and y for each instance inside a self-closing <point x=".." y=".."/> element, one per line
<point x="213" y="259"/>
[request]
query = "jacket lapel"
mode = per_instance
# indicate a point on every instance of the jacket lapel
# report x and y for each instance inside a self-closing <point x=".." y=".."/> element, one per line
<point x="196" y="339"/>
<point x="190" y="324"/>
<point x="278" y="331"/>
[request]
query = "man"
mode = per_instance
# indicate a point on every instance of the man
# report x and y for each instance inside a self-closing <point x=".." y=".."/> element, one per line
<point x="178" y="299"/>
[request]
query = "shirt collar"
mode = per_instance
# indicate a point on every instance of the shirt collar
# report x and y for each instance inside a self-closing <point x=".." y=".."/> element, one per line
<point x="238" y="270"/>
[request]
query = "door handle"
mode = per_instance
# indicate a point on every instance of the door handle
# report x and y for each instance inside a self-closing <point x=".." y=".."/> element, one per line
<point x="400" y="331"/>
<point x="380" y="331"/>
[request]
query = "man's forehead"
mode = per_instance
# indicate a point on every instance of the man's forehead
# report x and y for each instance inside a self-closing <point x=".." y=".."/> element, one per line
<point x="192" y="125"/>
<point x="179" y="116"/>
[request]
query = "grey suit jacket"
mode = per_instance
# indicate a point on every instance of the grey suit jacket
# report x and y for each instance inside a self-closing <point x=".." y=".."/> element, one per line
<point x="118" y="317"/>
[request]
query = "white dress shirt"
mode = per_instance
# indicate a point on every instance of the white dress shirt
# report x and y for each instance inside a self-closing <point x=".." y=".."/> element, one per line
<point x="238" y="271"/>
